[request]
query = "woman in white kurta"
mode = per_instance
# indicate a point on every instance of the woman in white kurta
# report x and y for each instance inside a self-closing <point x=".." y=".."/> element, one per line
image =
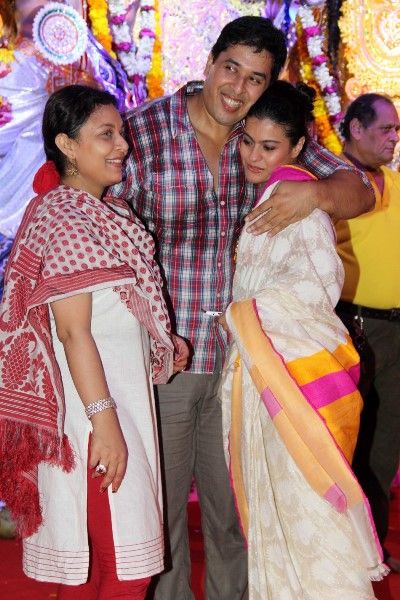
<point x="84" y="332"/>
<point x="136" y="510"/>
<point x="290" y="403"/>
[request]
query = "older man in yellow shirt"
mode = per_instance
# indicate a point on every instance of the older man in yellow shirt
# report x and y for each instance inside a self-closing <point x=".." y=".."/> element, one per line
<point x="369" y="246"/>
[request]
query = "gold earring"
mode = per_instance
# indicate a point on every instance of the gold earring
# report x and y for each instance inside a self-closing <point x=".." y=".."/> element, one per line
<point x="71" y="169"/>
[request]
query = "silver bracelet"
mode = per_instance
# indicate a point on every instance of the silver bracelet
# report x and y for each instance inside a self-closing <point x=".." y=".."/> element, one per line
<point x="99" y="405"/>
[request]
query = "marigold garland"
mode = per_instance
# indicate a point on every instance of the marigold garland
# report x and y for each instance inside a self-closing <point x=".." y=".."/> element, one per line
<point x="326" y="133"/>
<point x="6" y="52"/>
<point x="98" y="15"/>
<point x="155" y="76"/>
<point x="6" y="58"/>
<point x="7" y="55"/>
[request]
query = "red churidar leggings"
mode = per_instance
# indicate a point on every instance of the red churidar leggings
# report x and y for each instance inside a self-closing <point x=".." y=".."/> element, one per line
<point x="103" y="583"/>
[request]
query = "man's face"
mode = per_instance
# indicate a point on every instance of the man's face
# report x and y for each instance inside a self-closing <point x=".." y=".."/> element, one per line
<point x="377" y="142"/>
<point x="234" y="82"/>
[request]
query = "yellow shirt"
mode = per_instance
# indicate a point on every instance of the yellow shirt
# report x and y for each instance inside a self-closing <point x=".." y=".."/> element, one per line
<point x="369" y="247"/>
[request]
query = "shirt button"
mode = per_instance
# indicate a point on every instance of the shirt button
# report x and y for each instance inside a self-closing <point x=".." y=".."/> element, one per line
<point x="222" y="202"/>
<point x="218" y="295"/>
<point x="218" y="264"/>
<point x="223" y="233"/>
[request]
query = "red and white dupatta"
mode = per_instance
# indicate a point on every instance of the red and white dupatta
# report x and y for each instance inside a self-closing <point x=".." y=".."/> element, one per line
<point x="68" y="243"/>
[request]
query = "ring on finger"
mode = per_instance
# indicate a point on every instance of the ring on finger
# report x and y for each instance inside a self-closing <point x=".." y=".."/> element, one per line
<point x="101" y="469"/>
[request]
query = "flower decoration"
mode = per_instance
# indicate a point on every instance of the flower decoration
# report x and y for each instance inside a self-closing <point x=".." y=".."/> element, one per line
<point x="6" y="52"/>
<point x="370" y="33"/>
<point x="155" y="76"/>
<point x="319" y="61"/>
<point x="122" y="37"/>
<point x="145" y="47"/>
<point x="136" y="61"/>
<point x="59" y="33"/>
<point x="247" y="8"/>
<point x="98" y="15"/>
<point x="326" y="133"/>
<point x="5" y="111"/>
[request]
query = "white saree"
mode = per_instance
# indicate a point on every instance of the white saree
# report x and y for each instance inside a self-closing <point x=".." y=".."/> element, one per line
<point x="297" y="499"/>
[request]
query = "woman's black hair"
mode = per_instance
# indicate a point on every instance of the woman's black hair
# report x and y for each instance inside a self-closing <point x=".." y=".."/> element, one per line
<point x="66" y="111"/>
<point x="258" y="33"/>
<point x="287" y="105"/>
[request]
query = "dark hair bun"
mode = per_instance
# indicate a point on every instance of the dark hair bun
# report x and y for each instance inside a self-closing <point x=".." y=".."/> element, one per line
<point x="302" y="95"/>
<point x="307" y="91"/>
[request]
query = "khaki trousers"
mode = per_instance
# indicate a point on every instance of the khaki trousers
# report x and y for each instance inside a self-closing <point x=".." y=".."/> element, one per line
<point x="191" y="439"/>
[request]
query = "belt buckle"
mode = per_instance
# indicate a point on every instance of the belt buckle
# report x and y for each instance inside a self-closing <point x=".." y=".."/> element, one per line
<point x="394" y="314"/>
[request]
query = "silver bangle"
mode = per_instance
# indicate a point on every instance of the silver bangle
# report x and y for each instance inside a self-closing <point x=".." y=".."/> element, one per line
<point x="99" y="405"/>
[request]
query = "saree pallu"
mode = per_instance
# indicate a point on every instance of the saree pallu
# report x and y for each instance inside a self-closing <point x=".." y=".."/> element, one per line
<point x="290" y="416"/>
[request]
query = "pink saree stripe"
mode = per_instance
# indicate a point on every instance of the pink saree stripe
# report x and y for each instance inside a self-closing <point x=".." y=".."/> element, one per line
<point x="271" y="403"/>
<point x="327" y="389"/>
<point x="354" y="373"/>
<point x="337" y="498"/>
<point x="288" y="173"/>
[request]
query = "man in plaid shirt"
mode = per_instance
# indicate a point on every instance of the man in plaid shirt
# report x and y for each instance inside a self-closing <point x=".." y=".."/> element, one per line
<point x="185" y="180"/>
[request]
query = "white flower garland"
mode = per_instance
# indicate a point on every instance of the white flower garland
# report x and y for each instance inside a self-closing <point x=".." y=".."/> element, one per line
<point x="136" y="61"/>
<point x="319" y="60"/>
<point x="253" y="8"/>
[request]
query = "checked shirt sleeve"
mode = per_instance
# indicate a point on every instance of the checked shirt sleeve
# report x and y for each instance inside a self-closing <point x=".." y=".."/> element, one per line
<point x="322" y="163"/>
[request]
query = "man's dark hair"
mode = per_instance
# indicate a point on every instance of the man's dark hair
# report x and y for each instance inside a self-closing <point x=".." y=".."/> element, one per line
<point x="66" y="111"/>
<point x="363" y="109"/>
<point x="258" y="33"/>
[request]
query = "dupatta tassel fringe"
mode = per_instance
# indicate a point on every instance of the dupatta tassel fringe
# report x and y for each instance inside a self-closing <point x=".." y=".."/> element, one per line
<point x="22" y="448"/>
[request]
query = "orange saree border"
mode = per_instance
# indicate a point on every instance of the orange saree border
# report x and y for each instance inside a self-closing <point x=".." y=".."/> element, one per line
<point x="302" y="430"/>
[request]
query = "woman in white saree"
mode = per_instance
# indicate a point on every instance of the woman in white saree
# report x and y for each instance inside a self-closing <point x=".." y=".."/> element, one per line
<point x="290" y="402"/>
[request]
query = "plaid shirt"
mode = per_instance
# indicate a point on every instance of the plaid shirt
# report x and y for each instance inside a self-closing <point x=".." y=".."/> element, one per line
<point x="170" y="187"/>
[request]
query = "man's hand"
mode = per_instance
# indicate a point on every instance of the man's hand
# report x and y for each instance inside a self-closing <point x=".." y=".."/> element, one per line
<point x="223" y="322"/>
<point x="342" y="195"/>
<point x="290" y="202"/>
<point x="181" y="353"/>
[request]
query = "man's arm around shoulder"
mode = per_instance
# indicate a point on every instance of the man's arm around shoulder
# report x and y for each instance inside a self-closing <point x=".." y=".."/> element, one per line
<point x="341" y="190"/>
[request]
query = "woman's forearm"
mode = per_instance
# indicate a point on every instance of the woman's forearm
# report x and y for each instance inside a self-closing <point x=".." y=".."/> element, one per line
<point x="73" y="318"/>
<point x="85" y="366"/>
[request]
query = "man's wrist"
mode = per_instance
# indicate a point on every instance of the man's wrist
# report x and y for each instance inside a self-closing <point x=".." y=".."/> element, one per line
<point x="320" y="197"/>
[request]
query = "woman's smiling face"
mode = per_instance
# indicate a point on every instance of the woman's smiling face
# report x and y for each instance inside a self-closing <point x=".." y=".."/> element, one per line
<point x="99" y="150"/>
<point x="264" y="147"/>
